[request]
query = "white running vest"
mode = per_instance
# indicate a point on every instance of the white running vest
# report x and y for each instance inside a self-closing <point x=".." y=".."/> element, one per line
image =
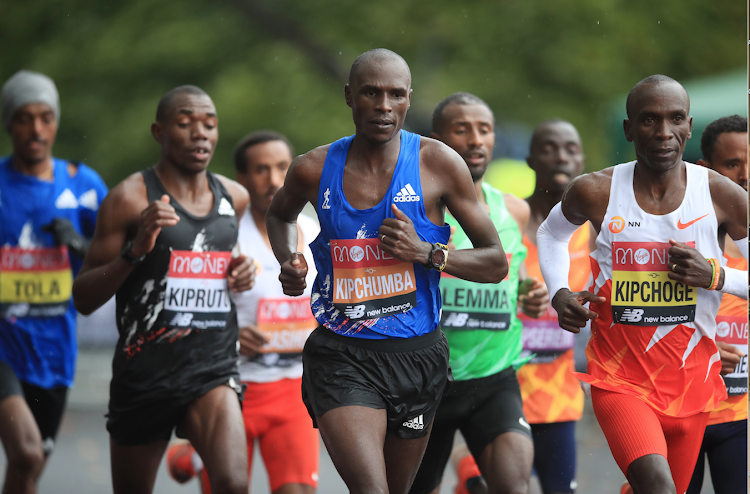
<point x="285" y="321"/>
<point x="632" y="252"/>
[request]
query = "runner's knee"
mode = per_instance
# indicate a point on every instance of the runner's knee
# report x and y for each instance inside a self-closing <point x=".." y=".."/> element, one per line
<point x="26" y="458"/>
<point x="229" y="483"/>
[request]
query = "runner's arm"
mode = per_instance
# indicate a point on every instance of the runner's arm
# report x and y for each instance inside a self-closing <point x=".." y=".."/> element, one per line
<point x="486" y="262"/>
<point x="532" y="293"/>
<point x="730" y="203"/>
<point x="103" y="270"/>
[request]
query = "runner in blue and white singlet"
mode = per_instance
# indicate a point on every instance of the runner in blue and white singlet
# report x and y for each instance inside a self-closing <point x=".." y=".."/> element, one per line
<point x="376" y="367"/>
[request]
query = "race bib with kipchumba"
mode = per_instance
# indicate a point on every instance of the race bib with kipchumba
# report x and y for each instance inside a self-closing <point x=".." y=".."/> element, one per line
<point x="197" y="295"/>
<point x="34" y="282"/>
<point x="642" y="293"/>
<point x="369" y="283"/>
<point x="286" y="323"/>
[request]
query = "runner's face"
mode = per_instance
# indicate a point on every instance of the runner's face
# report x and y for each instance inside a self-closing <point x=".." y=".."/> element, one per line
<point x="556" y="156"/>
<point x="267" y="165"/>
<point x="730" y="157"/>
<point x="379" y="99"/>
<point x="33" y="130"/>
<point x="190" y="132"/>
<point x="469" y="130"/>
<point x="660" y="126"/>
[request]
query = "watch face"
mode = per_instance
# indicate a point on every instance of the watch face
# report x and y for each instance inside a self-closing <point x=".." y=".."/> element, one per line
<point x="438" y="258"/>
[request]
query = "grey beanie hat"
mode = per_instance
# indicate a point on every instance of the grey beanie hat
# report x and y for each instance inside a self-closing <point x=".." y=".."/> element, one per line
<point x="26" y="87"/>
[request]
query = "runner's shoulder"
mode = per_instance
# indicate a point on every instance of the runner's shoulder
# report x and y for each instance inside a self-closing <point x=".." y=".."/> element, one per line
<point x="308" y="167"/>
<point x="128" y="197"/>
<point x="590" y="186"/>
<point x="240" y="195"/>
<point x="518" y="208"/>
<point x="724" y="189"/>
<point x="436" y="154"/>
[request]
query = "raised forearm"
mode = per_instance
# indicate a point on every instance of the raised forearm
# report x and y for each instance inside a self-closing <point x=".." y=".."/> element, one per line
<point x="283" y="236"/>
<point x="94" y="287"/>
<point x="480" y="265"/>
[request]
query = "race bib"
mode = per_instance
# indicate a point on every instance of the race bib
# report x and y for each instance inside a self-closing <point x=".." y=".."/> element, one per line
<point x="197" y="295"/>
<point x="468" y="305"/>
<point x="642" y="293"/>
<point x="35" y="282"/>
<point x="368" y="283"/>
<point x="733" y="330"/>
<point x="286" y="323"/>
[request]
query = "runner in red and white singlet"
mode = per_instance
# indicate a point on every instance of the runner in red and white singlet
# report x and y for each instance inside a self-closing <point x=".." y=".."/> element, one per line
<point x="652" y="361"/>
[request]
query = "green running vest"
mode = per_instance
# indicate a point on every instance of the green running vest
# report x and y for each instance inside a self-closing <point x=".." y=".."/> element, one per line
<point x="479" y="319"/>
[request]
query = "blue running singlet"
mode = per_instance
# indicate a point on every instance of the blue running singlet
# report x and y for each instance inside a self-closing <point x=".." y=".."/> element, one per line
<point x="362" y="291"/>
<point x="37" y="317"/>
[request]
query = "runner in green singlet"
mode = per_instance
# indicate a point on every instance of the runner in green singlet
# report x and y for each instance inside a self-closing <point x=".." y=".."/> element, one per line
<point x="483" y="333"/>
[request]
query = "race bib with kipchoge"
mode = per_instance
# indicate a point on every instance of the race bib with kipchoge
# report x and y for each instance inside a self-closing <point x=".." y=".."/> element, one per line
<point x="197" y="295"/>
<point x="642" y="293"/>
<point x="369" y="283"/>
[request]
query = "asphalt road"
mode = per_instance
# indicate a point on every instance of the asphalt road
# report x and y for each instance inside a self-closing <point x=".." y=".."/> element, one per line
<point x="80" y="463"/>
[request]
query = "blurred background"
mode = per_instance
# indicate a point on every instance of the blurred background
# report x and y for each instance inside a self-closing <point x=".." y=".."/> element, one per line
<point x="282" y="65"/>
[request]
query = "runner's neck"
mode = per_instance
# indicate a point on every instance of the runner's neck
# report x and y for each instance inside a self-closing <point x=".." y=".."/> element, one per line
<point x="43" y="170"/>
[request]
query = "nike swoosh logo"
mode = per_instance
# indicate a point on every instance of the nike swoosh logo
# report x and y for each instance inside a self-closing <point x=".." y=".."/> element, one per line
<point x="682" y="225"/>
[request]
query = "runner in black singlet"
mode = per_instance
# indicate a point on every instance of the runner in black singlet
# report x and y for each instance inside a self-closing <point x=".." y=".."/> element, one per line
<point x="164" y="243"/>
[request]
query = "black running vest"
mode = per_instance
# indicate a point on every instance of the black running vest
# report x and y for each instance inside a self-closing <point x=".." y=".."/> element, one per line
<point x="177" y="323"/>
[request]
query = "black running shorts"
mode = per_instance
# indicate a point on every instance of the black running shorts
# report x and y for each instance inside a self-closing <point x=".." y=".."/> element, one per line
<point x="46" y="405"/>
<point x="406" y="377"/>
<point x="481" y="409"/>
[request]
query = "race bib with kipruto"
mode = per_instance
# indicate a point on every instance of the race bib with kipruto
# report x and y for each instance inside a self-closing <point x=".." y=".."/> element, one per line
<point x="369" y="283"/>
<point x="35" y="282"/>
<point x="286" y="324"/>
<point x="197" y="295"/>
<point x="642" y="293"/>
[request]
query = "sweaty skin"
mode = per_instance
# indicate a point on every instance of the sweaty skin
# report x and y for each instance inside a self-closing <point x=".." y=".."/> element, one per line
<point x="213" y="423"/>
<point x="379" y="96"/>
<point x="659" y="127"/>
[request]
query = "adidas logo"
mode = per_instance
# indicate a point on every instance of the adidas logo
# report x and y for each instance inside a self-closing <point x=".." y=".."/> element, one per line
<point x="407" y="194"/>
<point x="89" y="200"/>
<point x="415" y="423"/>
<point x="66" y="200"/>
<point x="225" y="208"/>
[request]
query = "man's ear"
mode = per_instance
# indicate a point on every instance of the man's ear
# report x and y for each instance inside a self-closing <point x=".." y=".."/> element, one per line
<point x="156" y="131"/>
<point x="690" y="122"/>
<point x="626" y="128"/>
<point x="348" y="95"/>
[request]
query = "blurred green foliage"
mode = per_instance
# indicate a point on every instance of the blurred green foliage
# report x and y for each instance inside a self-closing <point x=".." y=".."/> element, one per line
<point x="281" y="64"/>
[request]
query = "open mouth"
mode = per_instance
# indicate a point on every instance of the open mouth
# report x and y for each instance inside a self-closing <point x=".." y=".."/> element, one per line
<point x="200" y="153"/>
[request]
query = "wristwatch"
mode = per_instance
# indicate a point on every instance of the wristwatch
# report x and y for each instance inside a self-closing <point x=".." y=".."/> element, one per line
<point x="438" y="256"/>
<point x="128" y="256"/>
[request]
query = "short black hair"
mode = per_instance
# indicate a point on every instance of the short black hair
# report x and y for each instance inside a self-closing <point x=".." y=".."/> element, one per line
<point x="165" y="103"/>
<point x="455" y="99"/>
<point x="253" y="139"/>
<point x="371" y="55"/>
<point x="652" y="80"/>
<point x="734" y="123"/>
<point x="536" y="134"/>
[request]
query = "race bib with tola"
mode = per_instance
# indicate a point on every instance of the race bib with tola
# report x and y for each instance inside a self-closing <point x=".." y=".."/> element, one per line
<point x="733" y="330"/>
<point x="369" y="283"/>
<point x="286" y="324"/>
<point x="642" y="293"/>
<point x="468" y="305"/>
<point x="35" y="282"/>
<point x="197" y="295"/>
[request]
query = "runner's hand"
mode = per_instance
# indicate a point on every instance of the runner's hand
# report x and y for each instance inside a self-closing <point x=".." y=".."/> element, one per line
<point x="241" y="273"/>
<point x="730" y="357"/>
<point x="157" y="215"/>
<point x="401" y="239"/>
<point x="571" y="314"/>
<point x="688" y="266"/>
<point x="293" y="273"/>
<point x="251" y="340"/>
<point x="533" y="297"/>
